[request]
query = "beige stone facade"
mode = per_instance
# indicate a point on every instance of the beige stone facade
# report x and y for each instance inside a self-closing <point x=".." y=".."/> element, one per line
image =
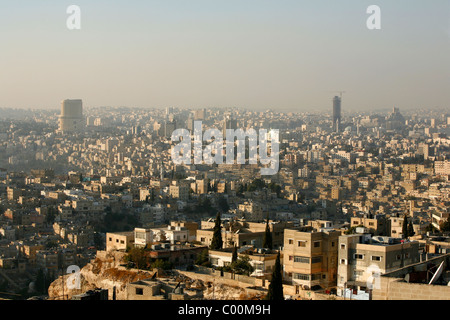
<point x="310" y="257"/>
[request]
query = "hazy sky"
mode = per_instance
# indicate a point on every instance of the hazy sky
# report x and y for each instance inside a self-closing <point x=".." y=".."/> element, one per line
<point x="284" y="54"/>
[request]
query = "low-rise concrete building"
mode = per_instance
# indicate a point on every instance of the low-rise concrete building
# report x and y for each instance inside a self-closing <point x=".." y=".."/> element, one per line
<point x="119" y="240"/>
<point x="310" y="257"/>
<point x="363" y="257"/>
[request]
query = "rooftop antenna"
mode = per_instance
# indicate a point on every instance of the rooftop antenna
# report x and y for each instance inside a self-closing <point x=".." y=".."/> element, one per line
<point x="340" y="93"/>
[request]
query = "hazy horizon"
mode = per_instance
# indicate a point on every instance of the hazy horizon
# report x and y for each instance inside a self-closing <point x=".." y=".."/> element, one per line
<point x="288" y="55"/>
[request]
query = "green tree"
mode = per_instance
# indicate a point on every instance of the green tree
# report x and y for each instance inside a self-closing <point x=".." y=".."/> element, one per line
<point x="411" y="229"/>
<point x="234" y="254"/>
<point x="242" y="266"/>
<point x="51" y="215"/>
<point x="405" y="227"/>
<point x="223" y="204"/>
<point x="267" y="241"/>
<point x="42" y="282"/>
<point x="138" y="257"/>
<point x="240" y="189"/>
<point x="216" y="242"/>
<point x="162" y="264"/>
<point x="202" y="259"/>
<point x="276" y="285"/>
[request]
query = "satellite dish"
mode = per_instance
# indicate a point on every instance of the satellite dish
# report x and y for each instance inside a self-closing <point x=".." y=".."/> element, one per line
<point x="438" y="273"/>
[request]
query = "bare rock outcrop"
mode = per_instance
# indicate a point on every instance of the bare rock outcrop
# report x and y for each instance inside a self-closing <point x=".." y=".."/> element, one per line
<point x="103" y="272"/>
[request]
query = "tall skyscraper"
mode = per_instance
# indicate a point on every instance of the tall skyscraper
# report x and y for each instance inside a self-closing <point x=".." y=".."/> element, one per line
<point x="169" y="128"/>
<point x="200" y="114"/>
<point x="336" y="113"/>
<point x="71" y="118"/>
<point x="228" y="123"/>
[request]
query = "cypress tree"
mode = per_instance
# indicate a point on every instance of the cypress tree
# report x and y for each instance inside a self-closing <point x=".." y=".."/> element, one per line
<point x="276" y="285"/>
<point x="234" y="255"/>
<point x="405" y="227"/>
<point x="411" y="229"/>
<point x="267" y="241"/>
<point x="216" y="242"/>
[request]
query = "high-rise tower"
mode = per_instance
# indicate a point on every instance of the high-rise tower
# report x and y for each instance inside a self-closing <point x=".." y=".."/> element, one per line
<point x="71" y="118"/>
<point x="228" y="123"/>
<point x="336" y="113"/>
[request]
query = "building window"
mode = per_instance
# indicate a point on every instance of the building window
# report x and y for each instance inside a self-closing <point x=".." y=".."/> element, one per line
<point x="332" y="243"/>
<point x="301" y="243"/>
<point x="316" y="244"/>
<point x="301" y="259"/>
<point x="139" y="291"/>
<point x="358" y="256"/>
<point x="342" y="246"/>
<point x="376" y="258"/>
<point x="343" y="261"/>
<point x="291" y="241"/>
<point x="202" y="239"/>
<point x="301" y="276"/>
<point x="316" y="259"/>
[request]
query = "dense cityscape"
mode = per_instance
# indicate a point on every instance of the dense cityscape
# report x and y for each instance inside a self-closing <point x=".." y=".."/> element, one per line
<point x="93" y="206"/>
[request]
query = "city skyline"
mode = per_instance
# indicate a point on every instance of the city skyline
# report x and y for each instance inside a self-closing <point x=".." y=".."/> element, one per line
<point x="289" y="57"/>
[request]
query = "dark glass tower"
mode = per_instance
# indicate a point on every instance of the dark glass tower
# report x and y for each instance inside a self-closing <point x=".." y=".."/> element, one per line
<point x="336" y="113"/>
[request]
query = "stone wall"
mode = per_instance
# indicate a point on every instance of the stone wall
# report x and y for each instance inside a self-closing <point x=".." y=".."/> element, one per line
<point x="394" y="289"/>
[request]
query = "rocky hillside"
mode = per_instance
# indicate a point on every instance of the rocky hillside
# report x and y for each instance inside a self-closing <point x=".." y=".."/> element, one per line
<point x="105" y="272"/>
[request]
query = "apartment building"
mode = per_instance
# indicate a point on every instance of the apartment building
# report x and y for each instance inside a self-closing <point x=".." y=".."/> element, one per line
<point x="252" y="211"/>
<point x="362" y="258"/>
<point x="376" y="224"/>
<point x="142" y="237"/>
<point x="179" y="191"/>
<point x="437" y="218"/>
<point x="262" y="260"/>
<point x="242" y="233"/>
<point x="47" y="259"/>
<point x="310" y="257"/>
<point x="119" y="240"/>
<point x="442" y="167"/>
<point x="191" y="227"/>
